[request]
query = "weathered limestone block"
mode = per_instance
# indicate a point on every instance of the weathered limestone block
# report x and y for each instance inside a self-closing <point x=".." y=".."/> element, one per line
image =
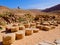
<point x="8" y="39"/>
<point x="28" y="31"/>
<point x="46" y="23"/>
<point x="32" y="24"/>
<point x="20" y="34"/>
<point x="21" y="27"/>
<point x="27" y="25"/>
<point x="35" y="30"/>
<point x="14" y="29"/>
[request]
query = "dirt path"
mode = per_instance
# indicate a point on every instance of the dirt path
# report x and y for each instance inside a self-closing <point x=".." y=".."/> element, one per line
<point x="41" y="36"/>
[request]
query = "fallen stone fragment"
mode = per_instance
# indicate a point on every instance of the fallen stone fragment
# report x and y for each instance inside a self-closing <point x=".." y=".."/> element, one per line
<point x="46" y="23"/>
<point x="44" y="43"/>
<point x="35" y="30"/>
<point x="57" y="44"/>
<point x="57" y="41"/>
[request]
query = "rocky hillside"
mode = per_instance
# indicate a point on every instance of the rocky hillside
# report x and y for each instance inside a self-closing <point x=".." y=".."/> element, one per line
<point x="8" y="15"/>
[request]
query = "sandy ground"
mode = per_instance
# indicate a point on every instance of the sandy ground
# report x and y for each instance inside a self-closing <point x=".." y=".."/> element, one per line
<point x="35" y="38"/>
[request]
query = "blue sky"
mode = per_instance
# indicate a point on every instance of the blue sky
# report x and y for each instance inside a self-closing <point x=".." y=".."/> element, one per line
<point x="29" y="4"/>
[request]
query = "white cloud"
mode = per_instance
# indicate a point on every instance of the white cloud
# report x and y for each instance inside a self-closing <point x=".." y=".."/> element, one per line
<point x="40" y="6"/>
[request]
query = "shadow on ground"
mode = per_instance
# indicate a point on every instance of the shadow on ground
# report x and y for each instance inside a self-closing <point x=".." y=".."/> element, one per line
<point x="1" y="43"/>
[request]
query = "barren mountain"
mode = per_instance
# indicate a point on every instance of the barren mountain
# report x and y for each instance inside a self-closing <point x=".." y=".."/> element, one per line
<point x="54" y="8"/>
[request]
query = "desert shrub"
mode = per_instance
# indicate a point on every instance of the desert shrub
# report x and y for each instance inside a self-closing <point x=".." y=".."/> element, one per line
<point x="45" y="16"/>
<point x="21" y="19"/>
<point x="1" y="15"/>
<point x="53" y="17"/>
<point x="6" y="14"/>
<point x="0" y="28"/>
<point x="29" y="17"/>
<point x="36" y="18"/>
<point x="2" y="23"/>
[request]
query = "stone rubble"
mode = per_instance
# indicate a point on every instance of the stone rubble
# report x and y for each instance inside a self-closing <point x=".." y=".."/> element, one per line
<point x="56" y="42"/>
